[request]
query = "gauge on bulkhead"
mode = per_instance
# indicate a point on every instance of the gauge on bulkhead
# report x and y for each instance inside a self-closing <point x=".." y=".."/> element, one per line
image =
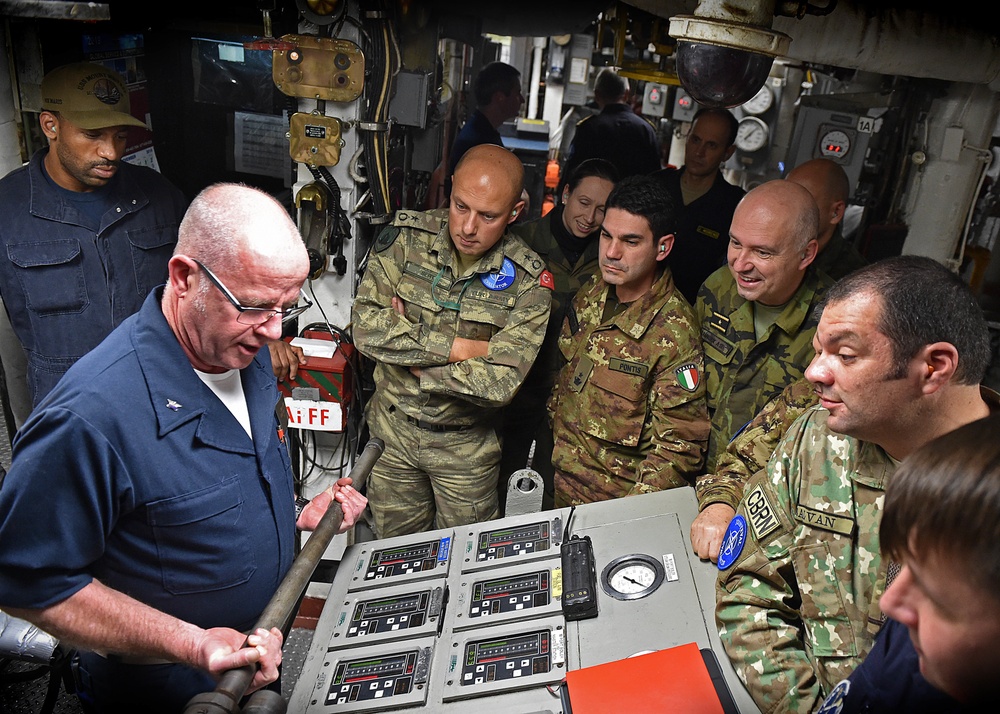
<point x="835" y="144"/>
<point x="751" y="135"/>
<point x="760" y="102"/>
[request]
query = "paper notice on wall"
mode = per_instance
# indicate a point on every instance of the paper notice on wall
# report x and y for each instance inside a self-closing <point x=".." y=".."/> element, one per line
<point x="261" y="145"/>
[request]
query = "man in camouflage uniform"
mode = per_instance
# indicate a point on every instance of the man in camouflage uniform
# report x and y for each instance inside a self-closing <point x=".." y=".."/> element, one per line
<point x="900" y="350"/>
<point x="829" y="185"/>
<point x="758" y="315"/>
<point x="628" y="411"/>
<point x="566" y="239"/>
<point x="452" y="309"/>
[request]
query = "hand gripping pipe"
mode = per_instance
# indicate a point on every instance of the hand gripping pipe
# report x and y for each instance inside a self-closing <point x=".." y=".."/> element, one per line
<point x="280" y="611"/>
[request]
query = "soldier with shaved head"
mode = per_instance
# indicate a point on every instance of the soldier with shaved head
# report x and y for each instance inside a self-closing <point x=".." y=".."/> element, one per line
<point x="757" y="316"/>
<point x="827" y="181"/>
<point x="452" y="309"/>
<point x="900" y="351"/>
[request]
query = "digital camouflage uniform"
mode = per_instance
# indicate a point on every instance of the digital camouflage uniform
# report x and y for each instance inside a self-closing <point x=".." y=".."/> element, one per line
<point x="628" y="411"/>
<point x="524" y="419"/>
<point x="742" y="374"/>
<point x="749" y="450"/>
<point x="799" y="608"/>
<point x="439" y="428"/>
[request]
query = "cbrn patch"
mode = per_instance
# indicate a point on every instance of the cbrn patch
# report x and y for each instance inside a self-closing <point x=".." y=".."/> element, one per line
<point x="763" y="519"/>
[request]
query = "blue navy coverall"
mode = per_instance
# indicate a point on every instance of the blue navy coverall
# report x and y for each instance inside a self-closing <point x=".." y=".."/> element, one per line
<point x="66" y="287"/>
<point x="134" y="473"/>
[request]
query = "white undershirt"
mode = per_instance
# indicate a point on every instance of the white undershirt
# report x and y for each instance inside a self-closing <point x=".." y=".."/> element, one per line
<point x="228" y="387"/>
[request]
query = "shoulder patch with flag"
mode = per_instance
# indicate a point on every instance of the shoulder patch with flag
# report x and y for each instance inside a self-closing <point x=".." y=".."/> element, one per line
<point x="546" y="280"/>
<point x="687" y="376"/>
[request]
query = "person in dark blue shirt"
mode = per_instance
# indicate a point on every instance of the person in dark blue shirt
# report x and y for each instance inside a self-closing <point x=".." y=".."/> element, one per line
<point x="708" y="200"/>
<point x="84" y="235"/>
<point x="149" y="512"/>
<point x="498" y="95"/>
<point x="616" y="134"/>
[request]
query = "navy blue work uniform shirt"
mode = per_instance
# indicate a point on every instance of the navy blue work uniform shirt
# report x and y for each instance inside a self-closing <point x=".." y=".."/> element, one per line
<point x="701" y="241"/>
<point x="889" y="680"/>
<point x="65" y="285"/>
<point x="618" y="135"/>
<point x="133" y="472"/>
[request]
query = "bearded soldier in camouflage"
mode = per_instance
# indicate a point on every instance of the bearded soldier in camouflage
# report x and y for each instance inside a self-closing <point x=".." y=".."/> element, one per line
<point x="452" y="309"/>
<point x="757" y="316"/>
<point x="628" y="411"/>
<point x="900" y="350"/>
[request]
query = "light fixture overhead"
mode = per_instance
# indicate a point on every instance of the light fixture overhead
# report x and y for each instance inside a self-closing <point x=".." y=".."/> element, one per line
<point x="726" y="49"/>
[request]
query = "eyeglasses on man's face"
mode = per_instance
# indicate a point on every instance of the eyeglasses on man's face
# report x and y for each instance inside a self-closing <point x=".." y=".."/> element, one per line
<point x="257" y="315"/>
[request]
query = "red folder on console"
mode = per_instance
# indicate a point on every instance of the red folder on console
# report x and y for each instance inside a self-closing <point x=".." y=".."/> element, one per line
<point x="670" y="680"/>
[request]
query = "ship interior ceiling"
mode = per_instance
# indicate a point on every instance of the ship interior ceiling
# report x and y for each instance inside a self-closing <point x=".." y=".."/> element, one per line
<point x="904" y="95"/>
<point x="193" y="95"/>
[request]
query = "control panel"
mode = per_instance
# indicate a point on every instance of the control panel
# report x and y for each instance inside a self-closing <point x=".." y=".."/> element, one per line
<point x="479" y="619"/>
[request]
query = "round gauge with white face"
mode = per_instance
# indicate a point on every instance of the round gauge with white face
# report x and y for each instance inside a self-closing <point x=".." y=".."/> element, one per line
<point x="751" y="134"/>
<point x="760" y="102"/>
<point x="835" y="144"/>
<point x="631" y="577"/>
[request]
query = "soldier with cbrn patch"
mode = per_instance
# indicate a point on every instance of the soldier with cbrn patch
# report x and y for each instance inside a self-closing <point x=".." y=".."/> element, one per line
<point x="901" y="348"/>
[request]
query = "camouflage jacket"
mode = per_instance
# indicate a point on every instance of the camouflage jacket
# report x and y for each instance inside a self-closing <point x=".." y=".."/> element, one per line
<point x="743" y="374"/>
<point x="502" y="299"/>
<point x="839" y="258"/>
<point x="628" y="411"/>
<point x="799" y="608"/>
<point x="749" y="450"/>
<point x="538" y="235"/>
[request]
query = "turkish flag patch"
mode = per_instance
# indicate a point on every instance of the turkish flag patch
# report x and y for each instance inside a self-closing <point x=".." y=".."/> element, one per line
<point x="546" y="280"/>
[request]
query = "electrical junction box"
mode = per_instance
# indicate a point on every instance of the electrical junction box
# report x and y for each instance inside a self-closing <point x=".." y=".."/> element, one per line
<point x="323" y="387"/>
<point x="654" y="99"/>
<point x="314" y="139"/>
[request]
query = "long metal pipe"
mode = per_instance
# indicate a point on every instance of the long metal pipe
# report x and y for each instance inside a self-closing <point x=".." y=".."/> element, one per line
<point x="280" y="611"/>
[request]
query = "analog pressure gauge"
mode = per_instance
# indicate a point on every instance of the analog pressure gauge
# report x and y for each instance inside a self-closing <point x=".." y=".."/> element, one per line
<point x="760" y="102"/>
<point x="751" y="134"/>
<point x="631" y="577"/>
<point x="835" y="144"/>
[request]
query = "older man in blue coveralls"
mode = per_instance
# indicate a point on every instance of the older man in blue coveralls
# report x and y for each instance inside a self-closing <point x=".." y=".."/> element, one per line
<point x="149" y="514"/>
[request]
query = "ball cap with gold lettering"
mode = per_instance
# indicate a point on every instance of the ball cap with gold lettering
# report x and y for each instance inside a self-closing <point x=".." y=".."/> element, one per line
<point x="89" y="95"/>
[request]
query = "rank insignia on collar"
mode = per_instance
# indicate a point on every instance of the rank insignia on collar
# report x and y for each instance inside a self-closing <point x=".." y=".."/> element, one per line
<point x="172" y="405"/>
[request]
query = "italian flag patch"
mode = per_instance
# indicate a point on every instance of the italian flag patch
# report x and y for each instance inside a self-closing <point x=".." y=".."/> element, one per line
<point x="687" y="376"/>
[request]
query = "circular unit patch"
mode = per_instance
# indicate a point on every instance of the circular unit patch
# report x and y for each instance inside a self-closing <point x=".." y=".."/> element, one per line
<point x="732" y="542"/>
<point x="501" y="279"/>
